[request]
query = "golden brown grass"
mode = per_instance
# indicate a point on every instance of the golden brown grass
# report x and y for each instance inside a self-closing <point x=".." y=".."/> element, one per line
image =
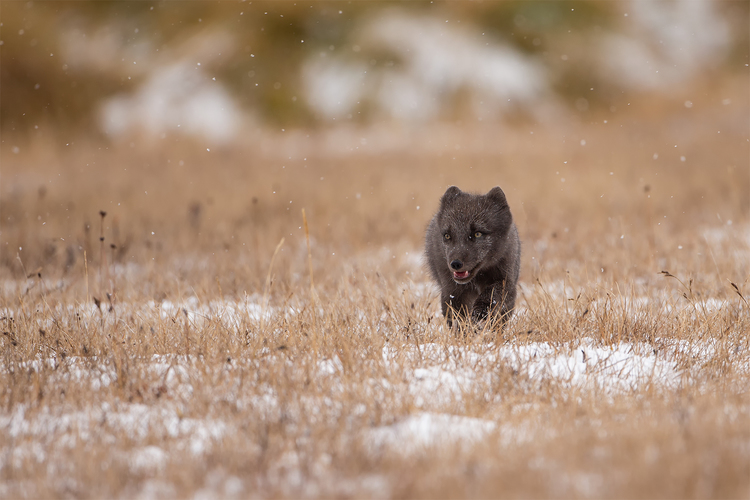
<point x="210" y="365"/>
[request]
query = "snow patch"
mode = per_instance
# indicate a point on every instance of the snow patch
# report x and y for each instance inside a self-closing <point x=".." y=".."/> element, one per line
<point x="425" y="429"/>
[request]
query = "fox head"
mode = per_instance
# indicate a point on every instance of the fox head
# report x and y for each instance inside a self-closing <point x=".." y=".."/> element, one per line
<point x="474" y="230"/>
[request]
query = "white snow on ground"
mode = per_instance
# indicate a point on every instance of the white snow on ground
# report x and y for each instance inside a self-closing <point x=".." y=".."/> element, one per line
<point x="136" y="420"/>
<point x="227" y="313"/>
<point x="148" y="458"/>
<point x="620" y="367"/>
<point x="435" y="378"/>
<point x="425" y="429"/>
<point x="44" y="438"/>
<point x="446" y="373"/>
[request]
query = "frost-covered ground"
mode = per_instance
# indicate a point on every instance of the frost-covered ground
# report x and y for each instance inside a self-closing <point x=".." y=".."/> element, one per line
<point x="436" y="377"/>
<point x="141" y="414"/>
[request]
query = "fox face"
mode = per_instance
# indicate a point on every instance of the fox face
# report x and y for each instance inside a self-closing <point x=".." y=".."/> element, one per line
<point x="473" y="231"/>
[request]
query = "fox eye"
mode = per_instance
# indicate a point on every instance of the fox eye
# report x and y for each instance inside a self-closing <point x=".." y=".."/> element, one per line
<point x="447" y="236"/>
<point x="478" y="234"/>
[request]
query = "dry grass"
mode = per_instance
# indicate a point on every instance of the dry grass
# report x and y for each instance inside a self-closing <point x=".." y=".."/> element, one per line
<point x="211" y="367"/>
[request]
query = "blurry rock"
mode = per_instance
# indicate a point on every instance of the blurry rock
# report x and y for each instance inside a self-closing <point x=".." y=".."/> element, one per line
<point x="175" y="98"/>
<point x="663" y="43"/>
<point x="432" y="63"/>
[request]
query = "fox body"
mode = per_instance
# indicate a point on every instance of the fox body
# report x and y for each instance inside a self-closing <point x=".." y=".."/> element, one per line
<point x="474" y="254"/>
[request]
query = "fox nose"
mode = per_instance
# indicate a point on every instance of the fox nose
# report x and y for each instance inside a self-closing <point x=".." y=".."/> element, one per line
<point x="457" y="264"/>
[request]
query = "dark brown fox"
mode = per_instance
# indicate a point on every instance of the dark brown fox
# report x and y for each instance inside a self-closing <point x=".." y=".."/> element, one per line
<point x="474" y="254"/>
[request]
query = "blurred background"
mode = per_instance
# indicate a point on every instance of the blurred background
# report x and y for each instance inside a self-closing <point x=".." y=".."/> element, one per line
<point x="206" y="126"/>
<point x="221" y="70"/>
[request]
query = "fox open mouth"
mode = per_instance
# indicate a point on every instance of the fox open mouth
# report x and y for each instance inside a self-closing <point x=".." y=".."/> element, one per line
<point x="463" y="277"/>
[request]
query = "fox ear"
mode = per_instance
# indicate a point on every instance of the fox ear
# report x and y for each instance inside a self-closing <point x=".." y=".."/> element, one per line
<point x="496" y="194"/>
<point x="450" y="194"/>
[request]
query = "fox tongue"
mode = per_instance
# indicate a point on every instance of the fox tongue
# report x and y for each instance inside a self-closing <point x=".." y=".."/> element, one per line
<point x="461" y="275"/>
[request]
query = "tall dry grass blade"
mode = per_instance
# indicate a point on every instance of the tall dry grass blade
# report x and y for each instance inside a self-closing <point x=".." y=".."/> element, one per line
<point x="23" y="268"/>
<point x="309" y="253"/>
<point x="113" y="284"/>
<point x="221" y="292"/>
<point x="86" y="275"/>
<point x="267" y="288"/>
<point x="312" y="286"/>
<point x="102" y="255"/>
<point x="737" y="291"/>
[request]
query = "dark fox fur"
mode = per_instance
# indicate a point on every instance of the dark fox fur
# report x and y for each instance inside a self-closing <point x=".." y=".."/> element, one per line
<point x="474" y="253"/>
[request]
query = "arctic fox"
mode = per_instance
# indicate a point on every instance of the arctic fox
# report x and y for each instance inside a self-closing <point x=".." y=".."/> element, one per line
<point x="474" y="254"/>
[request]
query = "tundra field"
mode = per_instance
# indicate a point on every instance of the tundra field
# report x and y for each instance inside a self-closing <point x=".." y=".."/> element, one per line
<point x="203" y="349"/>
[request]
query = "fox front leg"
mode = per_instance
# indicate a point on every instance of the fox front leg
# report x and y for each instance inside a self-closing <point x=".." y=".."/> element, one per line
<point x="495" y="301"/>
<point x="456" y="305"/>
